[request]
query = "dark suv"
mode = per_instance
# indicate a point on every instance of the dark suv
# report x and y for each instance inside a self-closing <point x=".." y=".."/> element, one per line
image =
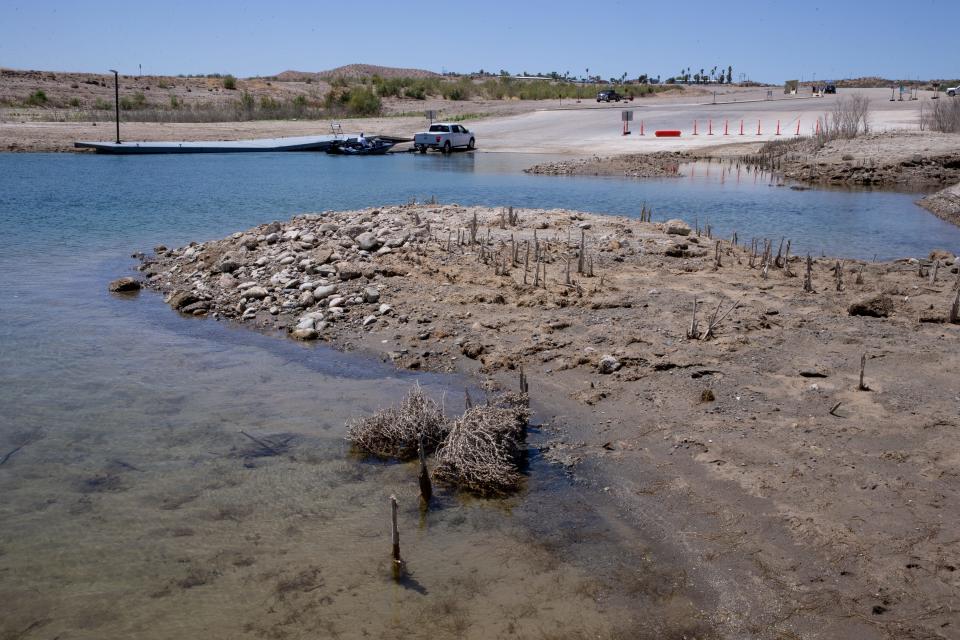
<point x="609" y="96"/>
<point x="830" y="88"/>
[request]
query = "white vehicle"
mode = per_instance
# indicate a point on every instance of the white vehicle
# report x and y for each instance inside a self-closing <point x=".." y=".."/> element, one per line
<point x="952" y="91"/>
<point x="444" y="136"/>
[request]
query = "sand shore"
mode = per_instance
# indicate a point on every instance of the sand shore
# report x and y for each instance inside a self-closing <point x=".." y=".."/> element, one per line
<point x="807" y="502"/>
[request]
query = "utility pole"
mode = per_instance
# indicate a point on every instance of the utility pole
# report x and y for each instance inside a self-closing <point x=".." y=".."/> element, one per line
<point x="116" y="99"/>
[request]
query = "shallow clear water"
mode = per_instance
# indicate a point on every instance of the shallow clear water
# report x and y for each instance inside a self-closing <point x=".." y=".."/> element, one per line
<point x="131" y="506"/>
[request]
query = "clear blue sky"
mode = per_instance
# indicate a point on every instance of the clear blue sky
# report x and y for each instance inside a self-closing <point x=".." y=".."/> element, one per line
<point x="772" y="41"/>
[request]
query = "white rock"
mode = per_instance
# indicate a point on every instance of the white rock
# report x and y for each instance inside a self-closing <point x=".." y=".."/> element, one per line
<point x="324" y="291"/>
<point x="608" y="364"/>
<point x="384" y="309"/>
<point x="246" y="285"/>
<point x="368" y="241"/>
<point x="369" y="320"/>
<point x="256" y="293"/>
<point x="677" y="227"/>
<point x="337" y="301"/>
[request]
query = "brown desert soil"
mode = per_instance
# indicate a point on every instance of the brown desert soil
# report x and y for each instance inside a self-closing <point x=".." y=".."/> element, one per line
<point x="639" y="165"/>
<point x="814" y="509"/>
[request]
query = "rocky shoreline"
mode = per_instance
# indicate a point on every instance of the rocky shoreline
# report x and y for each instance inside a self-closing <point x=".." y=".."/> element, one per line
<point x="888" y="159"/>
<point x="740" y="422"/>
<point x="663" y="164"/>
<point x="944" y="204"/>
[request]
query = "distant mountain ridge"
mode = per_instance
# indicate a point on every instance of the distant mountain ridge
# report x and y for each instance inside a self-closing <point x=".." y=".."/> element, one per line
<point x="356" y="71"/>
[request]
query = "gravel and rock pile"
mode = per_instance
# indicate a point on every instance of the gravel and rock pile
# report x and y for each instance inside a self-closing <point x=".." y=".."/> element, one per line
<point x="663" y="164"/>
<point x="303" y="275"/>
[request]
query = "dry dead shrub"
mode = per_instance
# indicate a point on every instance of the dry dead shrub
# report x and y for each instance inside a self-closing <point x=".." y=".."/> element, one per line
<point x="850" y="118"/>
<point x="484" y="448"/>
<point x="393" y="432"/>
<point x="944" y="116"/>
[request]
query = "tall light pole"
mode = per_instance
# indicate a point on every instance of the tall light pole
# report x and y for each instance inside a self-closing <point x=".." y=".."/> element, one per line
<point x="116" y="99"/>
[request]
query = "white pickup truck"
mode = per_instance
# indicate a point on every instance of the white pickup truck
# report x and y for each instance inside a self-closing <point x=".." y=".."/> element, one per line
<point x="952" y="91"/>
<point x="444" y="136"/>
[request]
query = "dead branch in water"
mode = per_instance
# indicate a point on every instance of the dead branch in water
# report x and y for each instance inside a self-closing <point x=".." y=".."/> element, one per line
<point x="485" y="445"/>
<point x="397" y="563"/>
<point x="9" y="454"/>
<point x="426" y="489"/>
<point x="395" y="432"/>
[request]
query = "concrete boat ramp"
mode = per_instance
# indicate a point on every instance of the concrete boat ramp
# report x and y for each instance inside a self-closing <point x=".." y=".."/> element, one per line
<point x="298" y="143"/>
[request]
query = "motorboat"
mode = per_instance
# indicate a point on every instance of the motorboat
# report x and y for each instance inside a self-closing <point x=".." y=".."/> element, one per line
<point x="365" y="147"/>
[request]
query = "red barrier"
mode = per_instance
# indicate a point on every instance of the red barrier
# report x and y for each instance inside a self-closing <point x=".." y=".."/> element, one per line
<point x="710" y="127"/>
<point x="667" y="133"/>
<point x="726" y="127"/>
<point x="778" y="127"/>
<point x="741" y="127"/>
<point x="798" y="127"/>
<point x="641" y="127"/>
<point x="758" y="127"/>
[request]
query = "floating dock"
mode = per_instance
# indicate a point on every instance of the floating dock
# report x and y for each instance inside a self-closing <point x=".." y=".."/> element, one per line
<point x="298" y="143"/>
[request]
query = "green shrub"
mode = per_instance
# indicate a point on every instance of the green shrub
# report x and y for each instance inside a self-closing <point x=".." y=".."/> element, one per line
<point x="461" y="90"/>
<point x="74" y="102"/>
<point x="229" y="82"/>
<point x="363" y="102"/>
<point x="139" y="100"/>
<point x="126" y="104"/>
<point x="175" y="103"/>
<point x="37" y="98"/>
<point x="102" y="105"/>
<point x="417" y="93"/>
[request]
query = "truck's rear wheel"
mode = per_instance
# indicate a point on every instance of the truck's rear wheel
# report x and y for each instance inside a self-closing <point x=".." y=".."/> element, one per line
<point x="422" y="148"/>
<point x="472" y="144"/>
<point x="446" y="147"/>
